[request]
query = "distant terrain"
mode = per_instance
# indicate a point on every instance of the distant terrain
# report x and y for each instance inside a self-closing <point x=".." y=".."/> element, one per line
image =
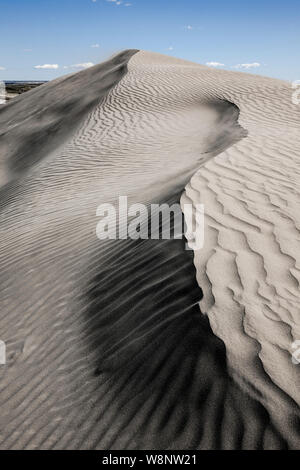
<point x="16" y="88"/>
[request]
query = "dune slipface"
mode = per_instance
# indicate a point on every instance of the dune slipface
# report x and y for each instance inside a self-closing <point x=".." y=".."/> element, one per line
<point x="106" y="345"/>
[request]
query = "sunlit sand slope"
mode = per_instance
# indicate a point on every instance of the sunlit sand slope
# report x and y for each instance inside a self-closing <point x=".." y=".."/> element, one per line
<point x="249" y="267"/>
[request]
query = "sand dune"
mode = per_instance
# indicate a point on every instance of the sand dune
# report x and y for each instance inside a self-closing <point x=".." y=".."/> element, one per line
<point x="107" y="347"/>
<point x="249" y="267"/>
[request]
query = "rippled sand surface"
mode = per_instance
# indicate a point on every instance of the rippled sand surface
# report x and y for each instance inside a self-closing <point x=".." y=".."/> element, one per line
<point x="107" y="347"/>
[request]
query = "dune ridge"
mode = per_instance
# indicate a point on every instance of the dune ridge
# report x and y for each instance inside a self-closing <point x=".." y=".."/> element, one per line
<point x="107" y="347"/>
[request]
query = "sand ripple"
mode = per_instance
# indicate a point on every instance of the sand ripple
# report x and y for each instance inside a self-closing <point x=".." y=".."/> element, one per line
<point x="107" y="347"/>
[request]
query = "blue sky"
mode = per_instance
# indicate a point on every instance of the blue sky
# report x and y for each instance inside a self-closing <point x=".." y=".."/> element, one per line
<point x="43" y="39"/>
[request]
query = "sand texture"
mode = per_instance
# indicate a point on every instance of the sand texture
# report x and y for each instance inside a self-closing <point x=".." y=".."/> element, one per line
<point x="107" y="347"/>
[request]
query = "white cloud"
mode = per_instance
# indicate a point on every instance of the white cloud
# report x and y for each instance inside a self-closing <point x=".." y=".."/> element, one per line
<point x="2" y="68"/>
<point x="120" y="2"/>
<point x="214" y="64"/>
<point x="84" y="65"/>
<point x="170" y="48"/>
<point x="247" y="66"/>
<point x="47" y="66"/>
<point x="95" y="45"/>
<point x="189" y="27"/>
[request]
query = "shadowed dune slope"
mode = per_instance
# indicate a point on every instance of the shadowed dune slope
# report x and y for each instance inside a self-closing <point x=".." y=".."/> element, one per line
<point x="106" y="345"/>
<point x="37" y="123"/>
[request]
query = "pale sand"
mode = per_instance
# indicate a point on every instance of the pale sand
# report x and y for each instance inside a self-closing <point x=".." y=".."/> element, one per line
<point x="107" y="347"/>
